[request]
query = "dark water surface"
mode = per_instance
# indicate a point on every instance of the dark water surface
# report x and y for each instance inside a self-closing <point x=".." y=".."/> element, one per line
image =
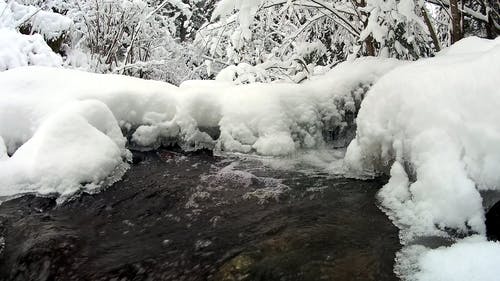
<point x="200" y="217"/>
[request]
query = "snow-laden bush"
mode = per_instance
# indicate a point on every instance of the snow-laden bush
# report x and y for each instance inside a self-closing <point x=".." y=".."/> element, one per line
<point x="22" y="50"/>
<point x="31" y="19"/>
<point x="40" y="27"/>
<point x="286" y="40"/>
<point x="132" y="37"/>
<point x="136" y="38"/>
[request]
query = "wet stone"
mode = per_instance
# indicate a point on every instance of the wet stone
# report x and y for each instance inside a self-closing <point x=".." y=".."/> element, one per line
<point x="493" y="222"/>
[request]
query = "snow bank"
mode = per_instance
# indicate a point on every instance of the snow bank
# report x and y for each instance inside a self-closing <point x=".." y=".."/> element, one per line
<point x="62" y="127"/>
<point x="470" y="259"/>
<point x="435" y="122"/>
<point x="278" y="118"/>
<point x="56" y="146"/>
<point x="79" y="144"/>
<point x="433" y="126"/>
<point x="18" y="50"/>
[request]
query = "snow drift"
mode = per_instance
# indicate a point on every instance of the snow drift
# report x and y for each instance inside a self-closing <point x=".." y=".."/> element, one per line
<point x="469" y="259"/>
<point x="79" y="144"/>
<point x="434" y="125"/>
<point x="51" y="118"/>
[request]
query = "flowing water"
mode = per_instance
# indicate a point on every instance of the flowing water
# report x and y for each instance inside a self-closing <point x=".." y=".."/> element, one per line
<point x="178" y="216"/>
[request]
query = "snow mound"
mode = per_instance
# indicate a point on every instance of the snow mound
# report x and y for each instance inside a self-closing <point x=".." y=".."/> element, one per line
<point x="37" y="138"/>
<point x="469" y="45"/>
<point x="434" y="125"/>
<point x="18" y="50"/>
<point x="470" y="259"/>
<point x="278" y="118"/>
<point x="78" y="144"/>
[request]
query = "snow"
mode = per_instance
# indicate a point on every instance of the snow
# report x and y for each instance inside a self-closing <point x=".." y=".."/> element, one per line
<point x="81" y="143"/>
<point x="432" y="126"/>
<point x="18" y="50"/>
<point x="469" y="259"/>
<point x="276" y="119"/>
<point x="472" y="259"/>
<point x="50" y="25"/>
<point x="3" y="149"/>
<point x="62" y="127"/>
<point x="247" y="10"/>
<point x="267" y="119"/>
<point x="444" y="136"/>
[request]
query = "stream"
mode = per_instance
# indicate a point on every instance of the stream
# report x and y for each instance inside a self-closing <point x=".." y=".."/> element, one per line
<point x="181" y="216"/>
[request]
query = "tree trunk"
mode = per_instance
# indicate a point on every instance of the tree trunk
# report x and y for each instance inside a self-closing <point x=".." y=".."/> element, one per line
<point x="370" y="46"/>
<point x="182" y="28"/>
<point x="432" y="31"/>
<point x="456" y="21"/>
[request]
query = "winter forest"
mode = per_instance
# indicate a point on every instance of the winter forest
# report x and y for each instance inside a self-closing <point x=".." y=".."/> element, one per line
<point x="254" y="140"/>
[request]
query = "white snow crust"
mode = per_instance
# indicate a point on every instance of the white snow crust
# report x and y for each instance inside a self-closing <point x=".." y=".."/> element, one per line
<point x="433" y="126"/>
<point x="469" y="259"/>
<point x="435" y="122"/>
<point x="49" y="137"/>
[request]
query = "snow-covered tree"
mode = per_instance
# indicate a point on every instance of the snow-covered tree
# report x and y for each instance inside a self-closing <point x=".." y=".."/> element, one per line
<point x="287" y="39"/>
<point x="143" y="38"/>
<point x="139" y="38"/>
